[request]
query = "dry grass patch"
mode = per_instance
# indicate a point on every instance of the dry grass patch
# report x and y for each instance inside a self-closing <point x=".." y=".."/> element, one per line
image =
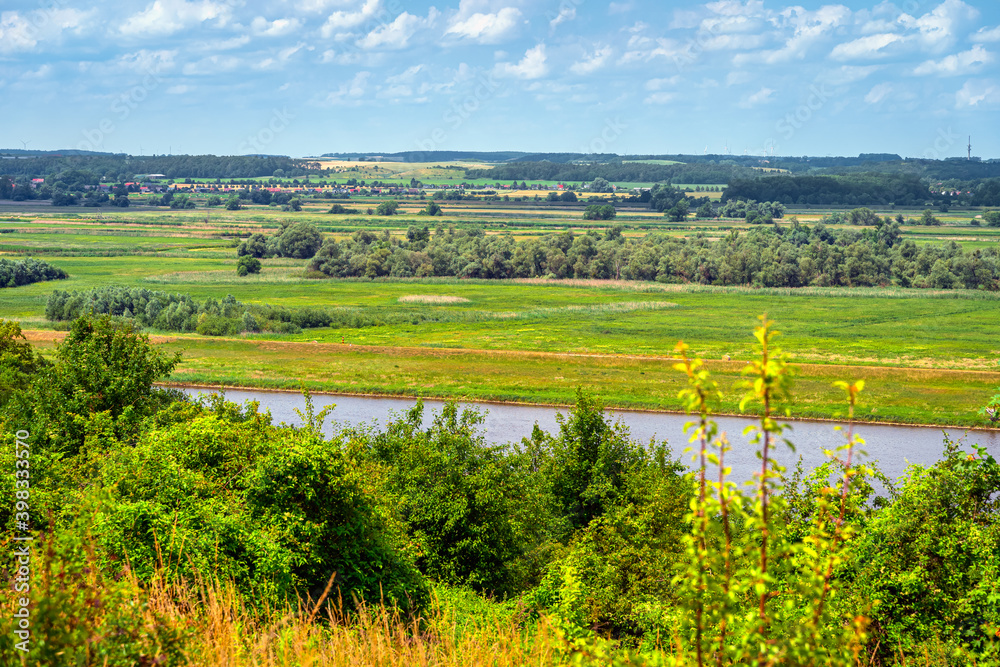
<point x="432" y="299"/>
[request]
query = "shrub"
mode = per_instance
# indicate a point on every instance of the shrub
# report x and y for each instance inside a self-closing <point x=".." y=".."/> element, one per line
<point x="300" y="241"/>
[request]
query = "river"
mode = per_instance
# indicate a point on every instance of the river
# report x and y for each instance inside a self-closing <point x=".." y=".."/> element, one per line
<point x="892" y="447"/>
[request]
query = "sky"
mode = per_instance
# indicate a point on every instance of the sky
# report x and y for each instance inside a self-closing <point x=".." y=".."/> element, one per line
<point x="307" y="77"/>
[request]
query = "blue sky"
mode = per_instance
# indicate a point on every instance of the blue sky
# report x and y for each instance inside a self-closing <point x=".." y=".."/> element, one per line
<point x="304" y="77"/>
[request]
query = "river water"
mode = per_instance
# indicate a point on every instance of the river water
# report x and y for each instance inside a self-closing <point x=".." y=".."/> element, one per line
<point x="893" y="448"/>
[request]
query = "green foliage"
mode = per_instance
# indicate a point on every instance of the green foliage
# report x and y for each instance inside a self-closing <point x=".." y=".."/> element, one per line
<point x="469" y="506"/>
<point x="81" y="614"/>
<point x="599" y="212"/>
<point x="15" y="273"/>
<point x="18" y="360"/>
<point x="277" y="511"/>
<point x="927" y="564"/>
<point x="179" y="312"/>
<point x="387" y="207"/>
<point x="255" y="246"/>
<point x="102" y="366"/>
<point x="247" y="264"/>
<point x="300" y="241"/>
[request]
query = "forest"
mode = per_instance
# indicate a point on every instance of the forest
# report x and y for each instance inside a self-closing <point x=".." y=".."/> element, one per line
<point x="765" y="256"/>
<point x="600" y="548"/>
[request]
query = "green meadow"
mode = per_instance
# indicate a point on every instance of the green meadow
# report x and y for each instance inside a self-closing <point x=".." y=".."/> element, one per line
<point x="928" y="356"/>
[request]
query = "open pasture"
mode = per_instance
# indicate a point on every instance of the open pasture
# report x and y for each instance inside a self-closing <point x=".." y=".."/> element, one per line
<point x="931" y="354"/>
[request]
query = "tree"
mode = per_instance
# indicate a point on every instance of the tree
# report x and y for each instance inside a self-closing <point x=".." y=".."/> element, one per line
<point x="246" y="265"/>
<point x="992" y="218"/>
<point x="599" y="184"/>
<point x="233" y="204"/>
<point x="255" y="246"/>
<point x="103" y="365"/>
<point x="863" y="216"/>
<point x="705" y="211"/>
<point x="433" y="209"/>
<point x="599" y="212"/>
<point x="387" y="207"/>
<point x="568" y="196"/>
<point x="928" y="218"/>
<point x="300" y="241"/>
<point x="679" y="212"/>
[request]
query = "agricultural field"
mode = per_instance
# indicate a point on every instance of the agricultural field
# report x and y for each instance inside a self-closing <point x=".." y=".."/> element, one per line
<point x="929" y="356"/>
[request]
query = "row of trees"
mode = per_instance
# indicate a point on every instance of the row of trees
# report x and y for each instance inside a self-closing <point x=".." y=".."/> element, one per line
<point x="15" y="273"/>
<point x="126" y="167"/>
<point x="179" y="312"/>
<point x="601" y="533"/>
<point x="766" y="256"/>
<point x="863" y="189"/>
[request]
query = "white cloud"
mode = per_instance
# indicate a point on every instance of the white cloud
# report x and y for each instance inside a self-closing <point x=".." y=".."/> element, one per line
<point x="275" y="28"/>
<point x="486" y="28"/>
<point x="809" y="28"/>
<point x="351" y="92"/>
<point x="396" y="35"/>
<point x="179" y="89"/>
<point x="16" y="33"/>
<point x="620" y="7"/>
<point x="532" y="66"/>
<point x="938" y="28"/>
<point x="960" y="63"/>
<point x="165" y="17"/>
<point x="878" y="93"/>
<point x="978" y="93"/>
<point x="216" y="64"/>
<point x="281" y="59"/>
<point x="846" y="74"/>
<point x="22" y="32"/>
<point x="760" y="97"/>
<point x="660" y="84"/>
<point x="341" y="20"/>
<point x="147" y="61"/>
<point x="565" y="14"/>
<point x="660" y="98"/>
<point x="872" y="46"/>
<point x="987" y="35"/>
<point x="592" y="63"/>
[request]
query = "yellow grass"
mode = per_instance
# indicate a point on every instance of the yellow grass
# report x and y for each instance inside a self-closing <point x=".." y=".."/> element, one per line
<point x="432" y="298"/>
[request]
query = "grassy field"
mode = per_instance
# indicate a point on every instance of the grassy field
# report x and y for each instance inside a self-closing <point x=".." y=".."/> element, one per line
<point x="929" y="357"/>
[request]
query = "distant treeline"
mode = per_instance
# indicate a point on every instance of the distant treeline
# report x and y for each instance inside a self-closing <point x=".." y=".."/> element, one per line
<point x="111" y="167"/>
<point x="767" y="256"/>
<point x="14" y="273"/>
<point x="617" y="172"/>
<point x="866" y="189"/>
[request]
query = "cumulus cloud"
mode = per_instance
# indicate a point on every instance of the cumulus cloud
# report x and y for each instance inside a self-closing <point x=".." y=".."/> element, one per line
<point x="762" y="96"/>
<point x="960" y="63"/>
<point x="275" y="28"/>
<point x="532" y="66"/>
<point x="878" y="93"/>
<point x="565" y="14"/>
<point x="397" y="35"/>
<point x="350" y="93"/>
<point x="808" y="29"/>
<point x="342" y="20"/>
<point x="872" y="46"/>
<point x="593" y="62"/>
<point x="939" y="27"/>
<point x="165" y="17"/>
<point x="23" y="31"/>
<point x="987" y="35"/>
<point x="978" y="94"/>
<point x="485" y="28"/>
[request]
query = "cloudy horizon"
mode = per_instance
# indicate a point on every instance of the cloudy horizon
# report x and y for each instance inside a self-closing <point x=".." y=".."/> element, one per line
<point x="631" y="77"/>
